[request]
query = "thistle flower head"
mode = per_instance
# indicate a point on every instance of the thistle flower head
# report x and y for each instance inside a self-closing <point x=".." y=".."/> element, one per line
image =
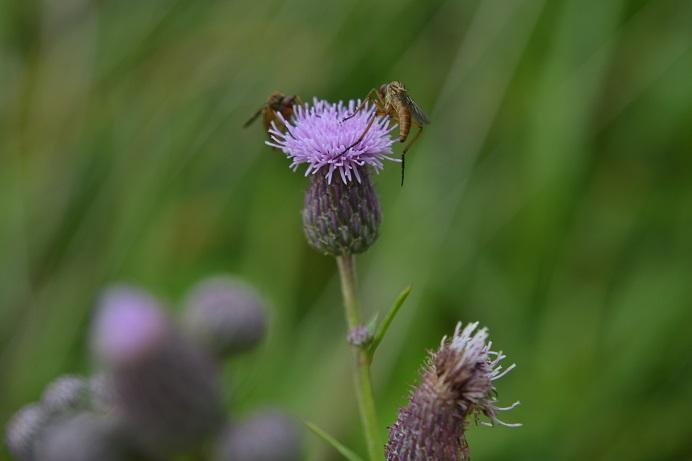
<point x="320" y="136"/>
<point x="470" y="368"/>
<point x="225" y="315"/>
<point x="456" y="382"/>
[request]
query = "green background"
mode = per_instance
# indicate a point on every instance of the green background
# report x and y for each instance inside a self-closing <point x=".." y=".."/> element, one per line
<point x="550" y="198"/>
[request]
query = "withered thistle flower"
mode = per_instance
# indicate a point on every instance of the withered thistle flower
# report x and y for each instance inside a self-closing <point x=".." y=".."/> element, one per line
<point x="164" y="390"/>
<point x="456" y="383"/>
<point x="225" y="315"/>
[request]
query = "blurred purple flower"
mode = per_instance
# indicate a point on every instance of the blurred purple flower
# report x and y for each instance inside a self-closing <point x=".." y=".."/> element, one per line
<point x="164" y="389"/>
<point x="267" y="435"/>
<point x="82" y="437"/>
<point x="456" y="382"/>
<point x="22" y="430"/>
<point x="318" y="136"/>
<point x="102" y="393"/>
<point x="68" y="392"/>
<point x="225" y="315"/>
<point x="129" y="326"/>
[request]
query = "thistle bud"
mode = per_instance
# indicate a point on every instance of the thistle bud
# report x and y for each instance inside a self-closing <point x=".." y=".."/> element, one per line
<point x="102" y="393"/>
<point x="359" y="336"/>
<point x="67" y="393"/>
<point x="23" y="429"/>
<point x="341" y="218"/>
<point x="164" y="389"/>
<point x="225" y="315"/>
<point x="267" y="436"/>
<point x="84" y="437"/>
<point x="456" y="382"/>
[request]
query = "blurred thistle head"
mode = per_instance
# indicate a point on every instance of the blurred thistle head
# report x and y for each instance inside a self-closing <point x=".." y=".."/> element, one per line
<point x="66" y="393"/>
<point x="225" y="315"/>
<point x="62" y="399"/>
<point x="23" y="429"/>
<point x="82" y="437"/>
<point x="456" y="382"/>
<point x="268" y="435"/>
<point x="102" y="392"/>
<point x="164" y="390"/>
<point x="319" y="136"/>
<point x="129" y="327"/>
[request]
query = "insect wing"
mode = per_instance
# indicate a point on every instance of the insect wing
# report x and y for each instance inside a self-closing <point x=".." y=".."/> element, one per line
<point x="416" y="112"/>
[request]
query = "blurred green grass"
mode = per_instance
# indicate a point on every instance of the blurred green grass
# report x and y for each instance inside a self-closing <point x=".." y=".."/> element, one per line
<point x="550" y="198"/>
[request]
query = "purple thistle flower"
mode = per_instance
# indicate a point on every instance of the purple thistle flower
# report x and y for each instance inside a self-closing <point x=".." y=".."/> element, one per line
<point x="457" y="382"/>
<point x="318" y="136"/>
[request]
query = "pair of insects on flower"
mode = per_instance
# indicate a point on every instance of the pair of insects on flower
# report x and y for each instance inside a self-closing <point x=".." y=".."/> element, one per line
<point x="390" y="99"/>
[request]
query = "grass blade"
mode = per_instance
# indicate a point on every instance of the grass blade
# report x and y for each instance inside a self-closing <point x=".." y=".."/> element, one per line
<point x="338" y="446"/>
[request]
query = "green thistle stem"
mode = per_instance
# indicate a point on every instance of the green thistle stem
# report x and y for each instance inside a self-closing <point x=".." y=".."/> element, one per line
<point x="362" y="378"/>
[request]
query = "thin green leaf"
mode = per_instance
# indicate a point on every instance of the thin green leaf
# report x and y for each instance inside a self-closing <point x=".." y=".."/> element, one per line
<point x="386" y="322"/>
<point x="338" y="446"/>
<point x="372" y="324"/>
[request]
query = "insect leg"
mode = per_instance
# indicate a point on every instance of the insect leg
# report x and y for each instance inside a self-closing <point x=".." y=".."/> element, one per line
<point x="381" y="100"/>
<point x="403" y="167"/>
<point x="379" y="111"/>
<point x="254" y="117"/>
<point x="403" y="153"/>
<point x="365" y="131"/>
<point x="360" y="107"/>
<point x="415" y="138"/>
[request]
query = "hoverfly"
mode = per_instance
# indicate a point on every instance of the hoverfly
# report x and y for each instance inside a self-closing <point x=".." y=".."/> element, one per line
<point x="393" y="100"/>
<point x="277" y="103"/>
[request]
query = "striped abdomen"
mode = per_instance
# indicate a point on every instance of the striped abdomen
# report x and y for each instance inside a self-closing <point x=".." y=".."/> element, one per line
<point x="404" y="122"/>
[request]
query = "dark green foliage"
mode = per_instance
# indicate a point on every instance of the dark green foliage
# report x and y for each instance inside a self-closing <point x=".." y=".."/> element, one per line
<point x="550" y="198"/>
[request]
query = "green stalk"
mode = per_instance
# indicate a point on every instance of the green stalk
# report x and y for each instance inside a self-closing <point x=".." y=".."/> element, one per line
<point x="362" y="378"/>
